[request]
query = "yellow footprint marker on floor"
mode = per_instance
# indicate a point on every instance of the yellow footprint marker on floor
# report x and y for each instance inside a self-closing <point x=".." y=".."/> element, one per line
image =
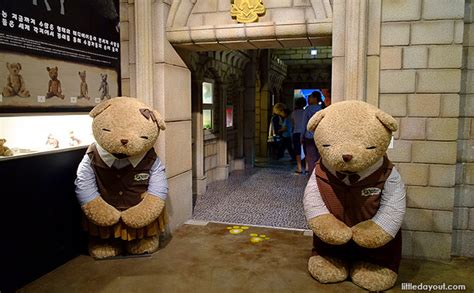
<point x="237" y="229"/>
<point x="255" y="238"/>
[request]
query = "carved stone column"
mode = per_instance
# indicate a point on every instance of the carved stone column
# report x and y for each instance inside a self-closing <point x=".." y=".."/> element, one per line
<point x="144" y="51"/>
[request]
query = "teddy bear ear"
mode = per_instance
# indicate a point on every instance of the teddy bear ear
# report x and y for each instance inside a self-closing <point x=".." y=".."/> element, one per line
<point x="160" y="120"/>
<point x="314" y="121"/>
<point x="100" y="108"/>
<point x="388" y="121"/>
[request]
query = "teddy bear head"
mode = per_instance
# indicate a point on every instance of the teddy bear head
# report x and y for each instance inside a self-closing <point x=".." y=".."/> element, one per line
<point x="103" y="76"/>
<point x="2" y="141"/>
<point x="53" y="72"/>
<point x="14" y="68"/>
<point x="82" y="75"/>
<point x="352" y="135"/>
<point x="125" y="127"/>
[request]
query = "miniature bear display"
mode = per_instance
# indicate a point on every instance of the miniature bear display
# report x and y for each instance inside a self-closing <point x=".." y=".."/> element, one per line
<point x="4" y="150"/>
<point x="121" y="183"/>
<point x="54" y="85"/>
<point x="83" y="89"/>
<point x="15" y="83"/>
<point x="355" y="199"/>
<point x="104" y="87"/>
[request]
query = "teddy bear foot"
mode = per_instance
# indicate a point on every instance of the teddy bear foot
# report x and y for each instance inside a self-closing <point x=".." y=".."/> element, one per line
<point x="145" y="245"/>
<point x="327" y="269"/>
<point x="373" y="277"/>
<point x="104" y="248"/>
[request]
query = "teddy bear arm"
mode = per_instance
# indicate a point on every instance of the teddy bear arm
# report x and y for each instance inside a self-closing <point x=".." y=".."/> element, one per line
<point x="330" y="230"/>
<point x="100" y="212"/>
<point x="370" y="235"/>
<point x="143" y="213"/>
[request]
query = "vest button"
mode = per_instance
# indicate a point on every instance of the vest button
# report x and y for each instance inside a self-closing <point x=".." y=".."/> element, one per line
<point x="120" y="192"/>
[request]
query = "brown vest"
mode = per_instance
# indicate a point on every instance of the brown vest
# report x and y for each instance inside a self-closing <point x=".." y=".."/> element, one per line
<point x="355" y="203"/>
<point x="121" y="188"/>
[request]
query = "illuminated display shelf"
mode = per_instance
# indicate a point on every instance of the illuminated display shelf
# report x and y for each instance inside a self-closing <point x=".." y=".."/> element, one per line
<point x="42" y="134"/>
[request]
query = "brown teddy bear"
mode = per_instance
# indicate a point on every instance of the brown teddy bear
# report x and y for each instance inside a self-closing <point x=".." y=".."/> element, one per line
<point x="84" y="88"/>
<point x="355" y="198"/>
<point x="4" y="150"/>
<point x="121" y="183"/>
<point x="15" y="83"/>
<point x="54" y="85"/>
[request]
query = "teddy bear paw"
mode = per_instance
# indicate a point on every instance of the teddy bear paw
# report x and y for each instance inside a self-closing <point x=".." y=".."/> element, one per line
<point x="373" y="277"/>
<point x="327" y="269"/>
<point x="144" y="245"/>
<point x="104" y="248"/>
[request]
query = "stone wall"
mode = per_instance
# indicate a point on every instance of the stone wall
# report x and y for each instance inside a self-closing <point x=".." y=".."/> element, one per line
<point x="420" y="78"/>
<point x="464" y="196"/>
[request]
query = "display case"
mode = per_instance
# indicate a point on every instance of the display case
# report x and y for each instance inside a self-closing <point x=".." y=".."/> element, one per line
<point x="27" y="135"/>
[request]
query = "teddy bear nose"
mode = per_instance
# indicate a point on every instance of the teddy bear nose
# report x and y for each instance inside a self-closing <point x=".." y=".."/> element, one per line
<point x="347" y="158"/>
<point x="124" y="141"/>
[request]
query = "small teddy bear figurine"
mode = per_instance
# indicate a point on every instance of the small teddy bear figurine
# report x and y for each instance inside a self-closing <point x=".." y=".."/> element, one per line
<point x="355" y="199"/>
<point x="104" y="87"/>
<point x="15" y="83"/>
<point x="4" y="150"/>
<point x="54" y="85"/>
<point x="121" y="183"/>
<point x="83" y="89"/>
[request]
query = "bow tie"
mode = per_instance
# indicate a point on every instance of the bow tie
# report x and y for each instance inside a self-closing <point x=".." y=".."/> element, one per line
<point x="353" y="178"/>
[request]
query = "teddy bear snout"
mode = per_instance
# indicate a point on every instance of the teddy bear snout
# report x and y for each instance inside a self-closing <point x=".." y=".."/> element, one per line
<point x="124" y="141"/>
<point x="347" y="158"/>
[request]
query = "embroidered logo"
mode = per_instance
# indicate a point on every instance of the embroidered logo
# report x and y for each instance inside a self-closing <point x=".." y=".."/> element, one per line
<point x="371" y="191"/>
<point x="141" y="176"/>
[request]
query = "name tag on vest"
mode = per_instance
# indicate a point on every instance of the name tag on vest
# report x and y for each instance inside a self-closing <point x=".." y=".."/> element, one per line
<point x="371" y="191"/>
<point x="141" y="177"/>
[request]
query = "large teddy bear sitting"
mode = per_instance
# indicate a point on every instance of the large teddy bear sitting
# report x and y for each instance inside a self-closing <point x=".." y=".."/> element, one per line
<point x="121" y="183"/>
<point x="355" y="199"/>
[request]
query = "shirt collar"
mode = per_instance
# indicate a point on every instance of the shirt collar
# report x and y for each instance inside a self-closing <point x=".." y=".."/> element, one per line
<point x="363" y="174"/>
<point x="109" y="159"/>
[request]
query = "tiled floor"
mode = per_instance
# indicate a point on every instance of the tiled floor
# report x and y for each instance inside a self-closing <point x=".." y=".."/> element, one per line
<point x="210" y="259"/>
<point x="270" y="195"/>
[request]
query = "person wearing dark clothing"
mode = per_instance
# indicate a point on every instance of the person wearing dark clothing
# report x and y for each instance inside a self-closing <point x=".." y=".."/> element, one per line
<point x="316" y="104"/>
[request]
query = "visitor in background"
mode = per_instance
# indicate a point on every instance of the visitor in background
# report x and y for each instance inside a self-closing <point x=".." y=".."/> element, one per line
<point x="316" y="104"/>
<point x="276" y="128"/>
<point x="297" y="119"/>
<point x="286" y="132"/>
<point x="327" y="96"/>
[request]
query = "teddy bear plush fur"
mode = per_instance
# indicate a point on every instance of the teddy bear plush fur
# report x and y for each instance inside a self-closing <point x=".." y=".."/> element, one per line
<point x="54" y="84"/>
<point x="15" y="82"/>
<point x="4" y="150"/>
<point x="352" y="137"/>
<point x="125" y="128"/>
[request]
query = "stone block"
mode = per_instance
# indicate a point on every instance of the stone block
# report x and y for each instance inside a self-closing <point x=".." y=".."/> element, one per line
<point x="467" y="243"/>
<point x="401" y="151"/>
<point x="424" y="105"/>
<point x="176" y="162"/>
<point x="443" y="221"/>
<point x="217" y="18"/>
<point x="407" y="243"/>
<point x="439" y="81"/>
<point x="469" y="34"/>
<point x="397" y="81"/>
<point x="434" y="152"/>
<point x="413" y="128"/>
<point x="124" y="57"/>
<point x="471" y="219"/>
<point x="469" y="55"/>
<point x="458" y="31"/>
<point x="126" y="87"/>
<point x="445" y="56"/>
<point x="395" y="34"/>
<point x="449" y="105"/>
<point x="414" y="174"/>
<point x="442" y="175"/>
<point x="396" y="134"/>
<point x="467" y="105"/>
<point x="415" y="57"/>
<point x="338" y="72"/>
<point x="441" y="128"/>
<point x="277" y="3"/>
<point x="443" y="9"/>
<point x="395" y="105"/>
<point x="179" y="201"/>
<point x="223" y="5"/>
<point x="391" y="58"/>
<point x="205" y="6"/>
<point x="401" y="10"/>
<point x="465" y="196"/>
<point x="432" y="32"/>
<point x="435" y="198"/>
<point x="373" y="80"/>
<point x="464" y="128"/>
<point x="461" y="218"/>
<point x="418" y="220"/>
<point x="285" y="15"/>
<point x="469" y="173"/>
<point x="431" y="245"/>
<point x="374" y="27"/>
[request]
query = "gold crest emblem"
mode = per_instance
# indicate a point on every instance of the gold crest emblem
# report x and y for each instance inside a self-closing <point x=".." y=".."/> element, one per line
<point x="247" y="10"/>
